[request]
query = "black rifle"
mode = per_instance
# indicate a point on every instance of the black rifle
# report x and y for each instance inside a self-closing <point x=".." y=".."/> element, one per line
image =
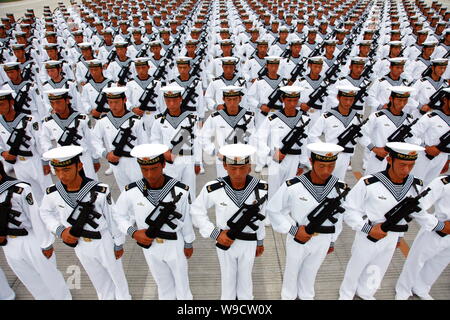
<point x="86" y="215"/>
<point x="239" y="133"/>
<point x="318" y="95"/>
<point x="294" y="137"/>
<point x="274" y="100"/>
<point x="70" y="135"/>
<point x="189" y="96"/>
<point x="249" y="215"/>
<point x="148" y="97"/>
<point x="8" y="215"/>
<point x="350" y="135"/>
<point x="167" y="213"/>
<point x="22" y="99"/>
<point x="123" y="138"/>
<point x="143" y="51"/>
<point x="427" y="71"/>
<point x="368" y="69"/>
<point x="100" y="102"/>
<point x="360" y="95"/>
<point x="298" y="70"/>
<point x="183" y="136"/>
<point x="326" y="210"/>
<point x="17" y="139"/>
<point x="28" y="72"/>
<point x="402" y="132"/>
<point x="435" y="99"/>
<point x="111" y="56"/>
<point x="123" y="74"/>
<point x="401" y="211"/>
<point x="444" y="141"/>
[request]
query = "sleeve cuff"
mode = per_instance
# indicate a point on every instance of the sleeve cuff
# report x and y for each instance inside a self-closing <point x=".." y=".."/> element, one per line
<point x="440" y="226"/>
<point x="48" y="248"/>
<point x="215" y="234"/>
<point x="59" y="231"/>
<point x="332" y="245"/>
<point x="45" y="163"/>
<point x="293" y="231"/>
<point x="370" y="146"/>
<point x="131" y="231"/>
<point x="188" y="245"/>
<point x="95" y="160"/>
<point x="366" y="228"/>
<point x="118" y="248"/>
<point x="104" y="153"/>
<point x="260" y="243"/>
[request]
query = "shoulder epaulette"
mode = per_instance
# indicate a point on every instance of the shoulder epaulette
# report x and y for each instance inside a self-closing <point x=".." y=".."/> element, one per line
<point x="82" y="116"/>
<point x="43" y="84"/>
<point x="327" y="114"/>
<point x="431" y="114"/>
<point x="102" y="115"/>
<point x="342" y="185"/>
<point x="100" y="188"/>
<point x="272" y="116"/>
<point x="292" y="181"/>
<point x="135" y="116"/>
<point x="215" y="186"/>
<point x="379" y="114"/>
<point x="216" y="79"/>
<point x="181" y="185"/>
<point x="409" y="116"/>
<point x="130" y="186"/>
<point x="370" y="180"/>
<point x="381" y="79"/>
<point x="47" y="119"/>
<point x="445" y="180"/>
<point x="215" y="114"/>
<point x="417" y="181"/>
<point x="263" y="186"/>
<point x="17" y="189"/>
<point x="251" y="113"/>
<point x="423" y="79"/>
<point x="51" y="189"/>
<point x="159" y="115"/>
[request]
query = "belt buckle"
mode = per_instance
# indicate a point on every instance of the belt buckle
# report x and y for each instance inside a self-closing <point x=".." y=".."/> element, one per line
<point x="148" y="112"/>
<point x="87" y="239"/>
<point x="21" y="158"/>
<point x="12" y="237"/>
<point x="159" y="240"/>
<point x="311" y="110"/>
<point x="315" y="234"/>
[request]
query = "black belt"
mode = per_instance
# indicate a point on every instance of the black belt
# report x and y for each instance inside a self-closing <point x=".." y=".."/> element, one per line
<point x="246" y="236"/>
<point x="91" y="234"/>
<point x="348" y="150"/>
<point x="323" y="229"/>
<point x="166" y="235"/>
<point x="17" y="232"/>
<point x="294" y="151"/>
<point x="185" y="153"/>
<point x="356" y="107"/>
<point x="441" y="234"/>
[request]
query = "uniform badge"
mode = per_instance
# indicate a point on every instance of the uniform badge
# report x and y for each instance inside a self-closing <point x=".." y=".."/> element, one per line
<point x="303" y="199"/>
<point x="223" y="204"/>
<point x="36" y="126"/>
<point x="108" y="198"/>
<point x="140" y="204"/>
<point x="382" y="198"/>
<point x="29" y="199"/>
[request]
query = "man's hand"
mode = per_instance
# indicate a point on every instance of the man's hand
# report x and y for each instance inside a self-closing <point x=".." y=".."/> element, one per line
<point x="300" y="171"/>
<point x="169" y="156"/>
<point x="48" y="253"/>
<point x="95" y="113"/>
<point x="432" y="151"/>
<point x="188" y="252"/>
<point x="259" y="250"/>
<point x="446" y="229"/>
<point x="112" y="158"/>
<point x="302" y="235"/>
<point x="265" y="108"/>
<point x="2" y="239"/>
<point x="142" y="238"/>
<point x="224" y="240"/>
<point x="445" y="168"/>
<point x="138" y="111"/>
<point x="377" y="233"/>
<point x="97" y="166"/>
<point x="425" y="108"/>
<point x="381" y="152"/>
<point x="220" y="107"/>
<point x="197" y="169"/>
<point x="118" y="254"/>
<point x="304" y="107"/>
<point x="67" y="237"/>
<point x="278" y="156"/>
<point x="46" y="169"/>
<point x="7" y="156"/>
<point x="330" y="250"/>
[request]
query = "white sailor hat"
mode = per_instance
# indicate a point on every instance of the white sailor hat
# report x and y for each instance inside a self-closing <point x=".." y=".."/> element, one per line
<point x="237" y="154"/>
<point x="11" y="66"/>
<point x="295" y="41"/>
<point x="291" y="91"/>
<point x="183" y="60"/>
<point x="142" y="61"/>
<point x="50" y="46"/>
<point x="423" y="31"/>
<point x="63" y="156"/>
<point x="397" y="61"/>
<point x="164" y="30"/>
<point x="148" y="22"/>
<point x="85" y="45"/>
<point x="6" y="94"/>
<point x="226" y="42"/>
<point x="312" y="30"/>
<point x="52" y="64"/>
<point x="108" y="31"/>
<point x="18" y="46"/>
<point x="347" y="91"/>
<point x="114" y="92"/>
<point x="315" y="60"/>
<point x="94" y="63"/>
<point x="272" y="59"/>
<point x="120" y="44"/>
<point x="232" y="91"/>
<point x="439" y="62"/>
<point x="326" y="152"/>
<point x="395" y="43"/>
<point x="55" y="94"/>
<point x="155" y="43"/>
<point x="401" y="91"/>
<point x="283" y="29"/>
<point x="429" y="44"/>
<point x="172" y="91"/>
<point x="262" y="42"/>
<point x="149" y="153"/>
<point x="330" y="42"/>
<point x="358" y="60"/>
<point x="365" y="43"/>
<point x="135" y="30"/>
<point x="403" y="151"/>
<point x="229" y="61"/>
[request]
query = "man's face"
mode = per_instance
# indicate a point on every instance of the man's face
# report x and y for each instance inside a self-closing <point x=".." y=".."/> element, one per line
<point x="53" y="73"/>
<point x="13" y="75"/>
<point x="399" y="103"/>
<point x="330" y="50"/>
<point x="183" y="68"/>
<point x="69" y="173"/>
<point x="173" y="103"/>
<point x="60" y="105"/>
<point x="20" y="54"/>
<point x="346" y="102"/>
<point x="323" y="169"/>
<point x="401" y="168"/>
<point x="356" y="69"/>
<point x="397" y="70"/>
<point x="272" y="67"/>
<point x="290" y="103"/>
<point x="315" y="68"/>
<point x="137" y="37"/>
<point x="232" y="102"/>
<point x="438" y="70"/>
<point x="364" y="50"/>
<point x="428" y="51"/>
<point x="156" y="50"/>
<point x="142" y="70"/>
<point x="5" y="106"/>
<point x="117" y="105"/>
<point x="96" y="72"/>
<point x="237" y="172"/>
<point x="228" y="69"/>
<point x="153" y="173"/>
<point x="262" y="48"/>
<point x="122" y="51"/>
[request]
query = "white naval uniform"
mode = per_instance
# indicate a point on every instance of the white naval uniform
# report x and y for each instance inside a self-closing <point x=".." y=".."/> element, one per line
<point x="82" y="70"/>
<point x="427" y="131"/>
<point x="106" y="130"/>
<point x="75" y="96"/>
<point x="196" y="105"/>
<point x="376" y="132"/>
<point x="96" y="255"/>
<point x="424" y="89"/>
<point x="430" y="252"/>
<point x="252" y="66"/>
<point x="114" y="68"/>
<point x="53" y="128"/>
<point x="309" y="86"/>
<point x="6" y="293"/>
<point x="236" y="263"/>
<point x="26" y="168"/>
<point x="379" y="93"/>
<point x="221" y="126"/>
<point x="165" y="258"/>
<point x="165" y="129"/>
<point x="332" y="101"/>
<point x="91" y="92"/>
<point x="269" y="138"/>
<point x="365" y="206"/>
<point x="214" y="94"/>
<point x="302" y="260"/>
<point x="24" y="253"/>
<point x="332" y="124"/>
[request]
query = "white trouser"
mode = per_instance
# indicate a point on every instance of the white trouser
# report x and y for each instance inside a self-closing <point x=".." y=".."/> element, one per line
<point x="30" y="170"/>
<point x="427" y="169"/>
<point x="126" y="172"/>
<point x="428" y="248"/>
<point x="236" y="265"/>
<point x="6" y="293"/>
<point x="374" y="165"/>
<point x="342" y="163"/>
<point x="280" y="172"/>
<point x="302" y="264"/>
<point x="105" y="272"/>
<point x="367" y="266"/>
<point x="169" y="268"/>
<point x="183" y="169"/>
<point x="88" y="166"/>
<point x="38" y="274"/>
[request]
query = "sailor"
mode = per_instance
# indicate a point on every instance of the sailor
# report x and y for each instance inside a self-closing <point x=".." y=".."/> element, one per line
<point x="80" y="210"/>
<point x="307" y="247"/>
<point x="121" y="65"/>
<point x="166" y="240"/>
<point x="27" y="244"/>
<point x="239" y="201"/>
<point x="370" y="199"/>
